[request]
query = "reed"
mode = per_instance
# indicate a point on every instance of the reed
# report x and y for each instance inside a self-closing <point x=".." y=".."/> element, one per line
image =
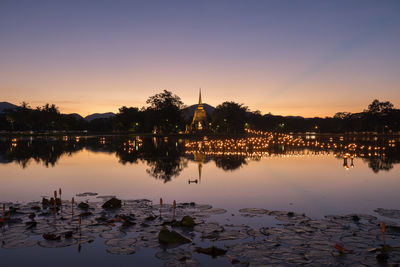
<point x="161" y="203"/>
<point x="59" y="192"/>
<point x="80" y="228"/>
<point x="55" y="202"/>
<point x="72" y="206"/>
<point x="173" y="210"/>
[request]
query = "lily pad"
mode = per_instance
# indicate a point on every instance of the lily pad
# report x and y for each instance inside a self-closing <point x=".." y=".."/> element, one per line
<point x="21" y="243"/>
<point x="106" y="197"/>
<point x="58" y="243"/>
<point x="390" y="213"/>
<point x="254" y="211"/>
<point x="212" y="251"/>
<point x="112" y="234"/>
<point x="86" y="194"/>
<point x="168" y="237"/>
<point x="121" y="250"/>
<point x="187" y="221"/>
<point x="120" y="242"/>
<point x="178" y="254"/>
<point x="113" y="203"/>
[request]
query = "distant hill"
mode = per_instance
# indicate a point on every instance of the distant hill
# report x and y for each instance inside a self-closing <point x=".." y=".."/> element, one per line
<point x="6" y="105"/>
<point x="99" y="116"/>
<point x="294" y="117"/>
<point x="75" y="115"/>
<point x="190" y="110"/>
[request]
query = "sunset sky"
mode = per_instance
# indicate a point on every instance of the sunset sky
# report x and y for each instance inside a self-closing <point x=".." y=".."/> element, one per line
<point x="308" y="58"/>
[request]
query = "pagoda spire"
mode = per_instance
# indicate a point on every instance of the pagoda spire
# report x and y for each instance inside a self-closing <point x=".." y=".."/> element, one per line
<point x="200" y="167"/>
<point x="200" y="102"/>
<point x="199" y="122"/>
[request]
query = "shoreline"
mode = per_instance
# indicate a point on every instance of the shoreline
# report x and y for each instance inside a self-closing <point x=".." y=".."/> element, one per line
<point x="212" y="135"/>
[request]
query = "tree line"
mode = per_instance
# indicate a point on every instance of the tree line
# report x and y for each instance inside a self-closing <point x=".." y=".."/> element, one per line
<point x="45" y="118"/>
<point x="167" y="114"/>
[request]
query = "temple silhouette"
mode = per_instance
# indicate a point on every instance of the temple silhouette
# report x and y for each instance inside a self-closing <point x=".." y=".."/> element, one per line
<point x="199" y="123"/>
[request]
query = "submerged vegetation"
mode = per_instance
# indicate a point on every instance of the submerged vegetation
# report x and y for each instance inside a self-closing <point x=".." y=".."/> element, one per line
<point x="177" y="233"/>
<point x="167" y="114"/>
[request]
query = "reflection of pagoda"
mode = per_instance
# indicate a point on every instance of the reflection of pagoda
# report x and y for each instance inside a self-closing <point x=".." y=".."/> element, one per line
<point x="199" y="122"/>
<point x="199" y="157"/>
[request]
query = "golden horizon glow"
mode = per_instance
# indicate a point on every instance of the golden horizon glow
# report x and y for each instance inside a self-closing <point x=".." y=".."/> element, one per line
<point x="288" y="108"/>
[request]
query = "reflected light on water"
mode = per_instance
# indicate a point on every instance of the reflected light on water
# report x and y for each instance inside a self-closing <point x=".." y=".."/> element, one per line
<point x="273" y="171"/>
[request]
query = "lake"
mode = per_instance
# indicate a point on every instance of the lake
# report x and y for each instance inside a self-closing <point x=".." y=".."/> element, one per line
<point x="310" y="174"/>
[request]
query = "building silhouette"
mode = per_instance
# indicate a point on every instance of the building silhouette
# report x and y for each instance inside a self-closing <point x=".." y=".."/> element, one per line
<point x="199" y="123"/>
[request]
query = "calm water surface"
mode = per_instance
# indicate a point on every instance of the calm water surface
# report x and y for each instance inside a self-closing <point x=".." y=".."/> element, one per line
<point x="277" y="174"/>
<point x="314" y="181"/>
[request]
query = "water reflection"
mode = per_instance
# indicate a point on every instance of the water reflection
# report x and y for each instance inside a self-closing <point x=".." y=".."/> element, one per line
<point x="167" y="157"/>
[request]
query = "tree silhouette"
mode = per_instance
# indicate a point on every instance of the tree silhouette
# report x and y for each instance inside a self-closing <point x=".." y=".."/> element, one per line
<point x="229" y="117"/>
<point x="130" y="119"/>
<point x="166" y="112"/>
<point x="379" y="107"/>
<point x="229" y="163"/>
